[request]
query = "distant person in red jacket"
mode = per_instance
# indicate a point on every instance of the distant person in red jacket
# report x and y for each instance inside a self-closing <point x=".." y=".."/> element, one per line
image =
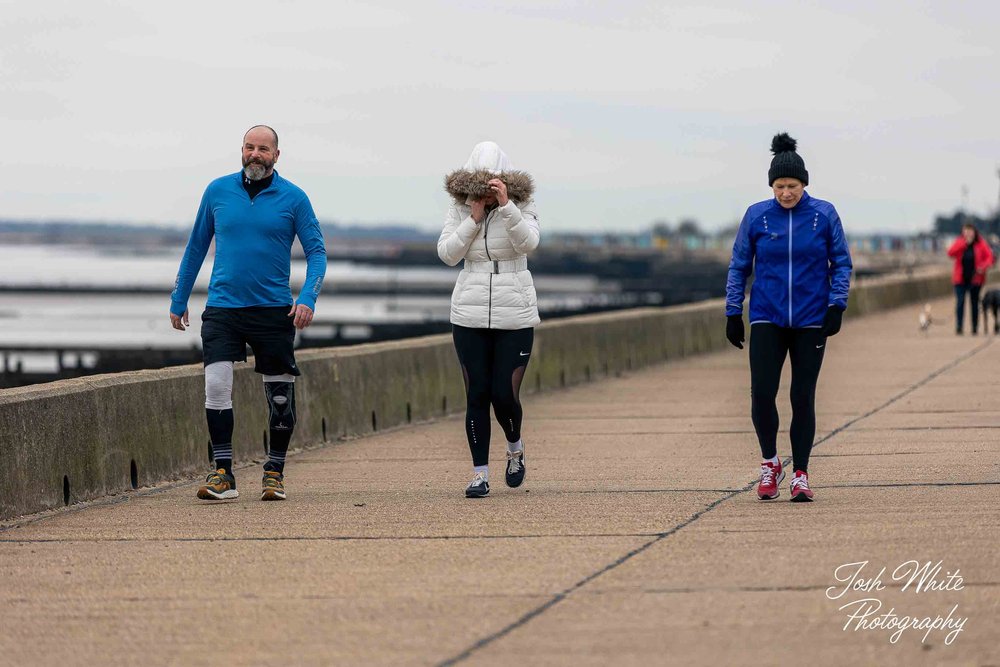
<point x="972" y="257"/>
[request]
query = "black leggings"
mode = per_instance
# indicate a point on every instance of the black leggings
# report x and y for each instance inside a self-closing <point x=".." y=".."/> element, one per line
<point x="769" y="344"/>
<point x="973" y="292"/>
<point x="493" y="363"/>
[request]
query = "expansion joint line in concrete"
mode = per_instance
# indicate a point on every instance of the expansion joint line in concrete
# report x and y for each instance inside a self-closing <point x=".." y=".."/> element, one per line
<point x="559" y="597"/>
<point x="326" y="538"/>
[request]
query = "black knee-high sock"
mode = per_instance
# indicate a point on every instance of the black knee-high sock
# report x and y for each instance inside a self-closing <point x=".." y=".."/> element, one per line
<point x="277" y="450"/>
<point x="220" y="429"/>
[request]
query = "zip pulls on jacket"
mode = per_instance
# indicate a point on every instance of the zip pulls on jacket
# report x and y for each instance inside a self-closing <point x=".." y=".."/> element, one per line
<point x="790" y="224"/>
<point x="496" y="268"/>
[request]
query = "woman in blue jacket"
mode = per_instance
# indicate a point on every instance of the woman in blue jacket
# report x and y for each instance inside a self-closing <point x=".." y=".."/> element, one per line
<point x="795" y="246"/>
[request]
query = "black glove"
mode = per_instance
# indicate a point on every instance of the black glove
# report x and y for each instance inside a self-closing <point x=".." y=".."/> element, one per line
<point x="832" y="321"/>
<point x="734" y="330"/>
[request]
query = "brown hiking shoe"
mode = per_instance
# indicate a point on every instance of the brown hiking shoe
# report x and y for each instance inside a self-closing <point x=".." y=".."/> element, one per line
<point x="273" y="486"/>
<point x="218" y="486"/>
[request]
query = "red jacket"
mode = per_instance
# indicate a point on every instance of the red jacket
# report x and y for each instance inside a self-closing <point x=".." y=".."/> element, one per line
<point x="983" y="255"/>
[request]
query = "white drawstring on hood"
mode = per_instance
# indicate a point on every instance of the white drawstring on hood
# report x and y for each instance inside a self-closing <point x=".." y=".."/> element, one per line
<point x="487" y="156"/>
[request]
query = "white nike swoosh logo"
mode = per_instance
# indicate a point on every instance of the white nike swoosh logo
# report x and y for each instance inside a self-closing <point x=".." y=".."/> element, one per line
<point x="818" y="346"/>
<point x="524" y="354"/>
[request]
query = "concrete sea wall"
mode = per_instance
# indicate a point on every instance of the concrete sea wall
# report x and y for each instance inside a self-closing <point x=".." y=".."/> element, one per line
<point x="90" y="437"/>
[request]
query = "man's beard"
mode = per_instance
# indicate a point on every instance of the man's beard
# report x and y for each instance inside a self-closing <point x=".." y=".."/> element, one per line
<point x="255" y="171"/>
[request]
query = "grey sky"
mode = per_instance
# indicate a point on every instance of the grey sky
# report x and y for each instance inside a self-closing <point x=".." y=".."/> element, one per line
<point x="624" y="112"/>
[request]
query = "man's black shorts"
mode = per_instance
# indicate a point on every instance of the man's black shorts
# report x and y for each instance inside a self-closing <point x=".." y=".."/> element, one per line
<point x="270" y="333"/>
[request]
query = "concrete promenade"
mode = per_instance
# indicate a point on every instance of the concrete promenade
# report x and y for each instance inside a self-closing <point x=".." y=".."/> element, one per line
<point x="637" y="538"/>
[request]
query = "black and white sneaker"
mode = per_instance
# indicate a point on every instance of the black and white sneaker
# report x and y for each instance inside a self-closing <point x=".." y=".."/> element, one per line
<point x="478" y="487"/>
<point x="515" y="469"/>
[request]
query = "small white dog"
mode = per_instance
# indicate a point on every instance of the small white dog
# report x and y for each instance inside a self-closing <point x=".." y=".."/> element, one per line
<point x="925" y="318"/>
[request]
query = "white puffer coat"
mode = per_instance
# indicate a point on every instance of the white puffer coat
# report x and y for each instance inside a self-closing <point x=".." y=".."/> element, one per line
<point x="494" y="290"/>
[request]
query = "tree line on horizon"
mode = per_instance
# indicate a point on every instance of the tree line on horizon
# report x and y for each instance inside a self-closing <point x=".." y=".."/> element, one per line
<point x="69" y="231"/>
<point x="951" y="225"/>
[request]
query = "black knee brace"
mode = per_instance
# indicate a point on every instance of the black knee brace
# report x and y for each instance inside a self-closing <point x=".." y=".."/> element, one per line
<point x="281" y="401"/>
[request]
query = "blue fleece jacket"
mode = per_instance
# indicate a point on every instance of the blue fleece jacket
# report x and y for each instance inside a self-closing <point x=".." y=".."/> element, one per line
<point x="253" y="246"/>
<point x="800" y="259"/>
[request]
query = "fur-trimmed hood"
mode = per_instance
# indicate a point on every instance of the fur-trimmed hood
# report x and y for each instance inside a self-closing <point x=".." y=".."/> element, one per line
<point x="464" y="183"/>
<point x="486" y="162"/>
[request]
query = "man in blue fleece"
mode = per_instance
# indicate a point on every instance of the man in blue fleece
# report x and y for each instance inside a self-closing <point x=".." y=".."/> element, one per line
<point x="254" y="215"/>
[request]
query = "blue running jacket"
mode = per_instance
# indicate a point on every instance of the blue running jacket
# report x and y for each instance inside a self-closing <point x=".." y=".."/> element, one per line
<point x="800" y="259"/>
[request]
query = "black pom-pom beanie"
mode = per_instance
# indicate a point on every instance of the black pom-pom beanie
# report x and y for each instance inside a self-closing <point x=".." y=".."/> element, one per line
<point x="786" y="162"/>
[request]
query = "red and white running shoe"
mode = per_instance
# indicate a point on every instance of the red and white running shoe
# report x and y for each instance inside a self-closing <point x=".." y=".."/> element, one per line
<point x="800" y="488"/>
<point x="770" y="477"/>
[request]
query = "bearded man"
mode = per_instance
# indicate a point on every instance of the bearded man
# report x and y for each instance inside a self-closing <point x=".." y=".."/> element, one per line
<point x="254" y="216"/>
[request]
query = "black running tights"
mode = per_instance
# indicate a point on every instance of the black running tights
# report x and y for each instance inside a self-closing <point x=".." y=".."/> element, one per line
<point x="973" y="292"/>
<point x="769" y="345"/>
<point x="493" y="364"/>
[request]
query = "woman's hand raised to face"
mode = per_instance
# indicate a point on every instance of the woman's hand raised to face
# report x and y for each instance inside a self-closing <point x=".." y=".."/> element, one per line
<point x="499" y="189"/>
<point x="478" y="210"/>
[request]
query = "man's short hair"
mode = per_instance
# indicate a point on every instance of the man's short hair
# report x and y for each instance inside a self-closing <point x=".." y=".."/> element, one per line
<point x="269" y="128"/>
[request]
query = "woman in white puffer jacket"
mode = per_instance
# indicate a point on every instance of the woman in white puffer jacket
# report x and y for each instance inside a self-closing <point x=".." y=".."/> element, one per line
<point x="492" y="225"/>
